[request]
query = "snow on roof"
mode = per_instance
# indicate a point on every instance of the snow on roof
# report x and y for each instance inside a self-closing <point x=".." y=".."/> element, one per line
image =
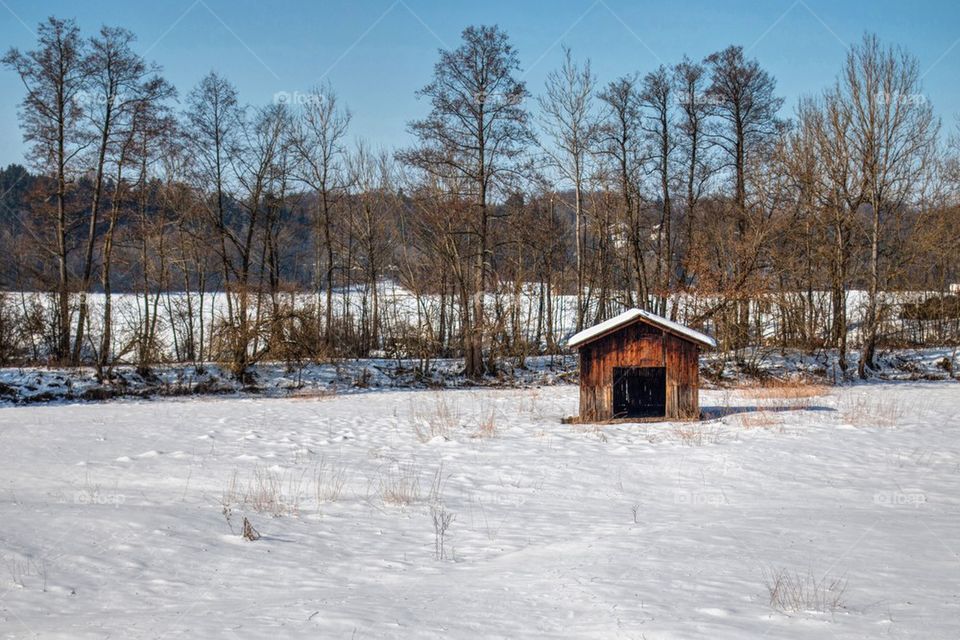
<point x="629" y="316"/>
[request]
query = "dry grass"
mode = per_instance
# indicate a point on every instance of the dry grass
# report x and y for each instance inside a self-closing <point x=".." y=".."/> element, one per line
<point x="532" y="403"/>
<point x="759" y="420"/>
<point x="329" y="481"/>
<point x="439" y="418"/>
<point x="313" y="393"/>
<point x="487" y="425"/>
<point x="862" y="410"/>
<point x="442" y="519"/>
<point x="696" y="434"/>
<point x="791" y="591"/>
<point x="23" y="570"/>
<point x="792" y="394"/>
<point x="270" y="492"/>
<point x="594" y="429"/>
<point x="400" y="485"/>
<point x="435" y="496"/>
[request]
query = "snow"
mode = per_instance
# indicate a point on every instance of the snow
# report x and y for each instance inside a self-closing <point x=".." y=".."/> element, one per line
<point x="28" y="385"/>
<point x="112" y="516"/>
<point x="36" y="384"/>
<point x="631" y="315"/>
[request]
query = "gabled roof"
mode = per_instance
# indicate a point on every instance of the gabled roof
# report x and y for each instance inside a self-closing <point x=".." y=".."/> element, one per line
<point x="633" y="315"/>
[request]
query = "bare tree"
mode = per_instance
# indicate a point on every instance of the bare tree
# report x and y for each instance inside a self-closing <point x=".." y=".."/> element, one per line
<point x="840" y="193"/>
<point x="690" y="80"/>
<point x="620" y="142"/>
<point x="656" y="98"/>
<point x="212" y="129"/>
<point x="319" y="141"/>
<point x="474" y="136"/>
<point x="745" y="101"/>
<point x="373" y="178"/>
<point x="134" y="122"/>
<point x="256" y="166"/>
<point x="892" y="134"/>
<point x="117" y="82"/>
<point x="54" y="76"/>
<point x="569" y="121"/>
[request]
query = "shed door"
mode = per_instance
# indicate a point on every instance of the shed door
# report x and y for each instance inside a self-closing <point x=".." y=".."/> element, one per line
<point x="639" y="392"/>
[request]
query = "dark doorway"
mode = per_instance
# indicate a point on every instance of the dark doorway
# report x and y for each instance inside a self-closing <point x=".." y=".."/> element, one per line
<point x="639" y="392"/>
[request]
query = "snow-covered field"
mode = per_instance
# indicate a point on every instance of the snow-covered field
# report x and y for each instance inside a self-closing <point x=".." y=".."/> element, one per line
<point x="124" y="519"/>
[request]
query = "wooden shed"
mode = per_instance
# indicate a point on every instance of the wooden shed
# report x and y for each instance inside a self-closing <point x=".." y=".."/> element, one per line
<point x="639" y="365"/>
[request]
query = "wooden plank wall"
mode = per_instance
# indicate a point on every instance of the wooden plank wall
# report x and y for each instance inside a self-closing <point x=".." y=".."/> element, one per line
<point x="683" y="377"/>
<point x="639" y="345"/>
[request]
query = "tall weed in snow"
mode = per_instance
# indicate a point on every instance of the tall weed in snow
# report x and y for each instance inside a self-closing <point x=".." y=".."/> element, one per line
<point x="329" y="481"/>
<point x="791" y="591"/>
<point x="487" y="424"/>
<point x="439" y="418"/>
<point x="400" y="485"/>
<point x="23" y="569"/>
<point x="760" y="419"/>
<point x="442" y="519"/>
<point x="436" y="486"/>
<point x="593" y="429"/>
<point x="696" y="434"/>
<point x="272" y="492"/>
<point x="863" y="410"/>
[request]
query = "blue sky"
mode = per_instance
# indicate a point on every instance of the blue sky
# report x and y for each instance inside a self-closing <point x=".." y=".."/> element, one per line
<point x="376" y="53"/>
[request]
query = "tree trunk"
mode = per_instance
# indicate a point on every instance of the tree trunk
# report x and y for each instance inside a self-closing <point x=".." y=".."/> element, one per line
<point x="868" y="353"/>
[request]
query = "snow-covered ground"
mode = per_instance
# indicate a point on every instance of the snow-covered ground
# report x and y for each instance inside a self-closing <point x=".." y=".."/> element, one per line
<point x="124" y="519"/>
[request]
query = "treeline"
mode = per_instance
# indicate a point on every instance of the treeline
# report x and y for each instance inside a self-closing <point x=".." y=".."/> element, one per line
<point x="681" y="190"/>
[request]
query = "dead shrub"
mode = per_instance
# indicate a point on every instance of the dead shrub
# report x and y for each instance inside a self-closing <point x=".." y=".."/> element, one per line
<point x="296" y="336"/>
